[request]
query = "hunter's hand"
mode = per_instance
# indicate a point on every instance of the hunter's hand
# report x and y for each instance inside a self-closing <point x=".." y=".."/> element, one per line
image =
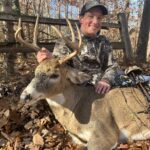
<point x="43" y="54"/>
<point x="102" y="87"/>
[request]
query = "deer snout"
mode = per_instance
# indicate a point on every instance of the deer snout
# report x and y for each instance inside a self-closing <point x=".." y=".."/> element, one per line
<point x="29" y="92"/>
<point x="25" y="96"/>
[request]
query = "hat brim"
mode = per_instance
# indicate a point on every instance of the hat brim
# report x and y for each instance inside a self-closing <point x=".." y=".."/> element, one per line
<point x="102" y="8"/>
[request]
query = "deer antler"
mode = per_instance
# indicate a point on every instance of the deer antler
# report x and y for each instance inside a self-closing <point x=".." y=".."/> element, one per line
<point x="35" y="33"/>
<point x="73" y="45"/>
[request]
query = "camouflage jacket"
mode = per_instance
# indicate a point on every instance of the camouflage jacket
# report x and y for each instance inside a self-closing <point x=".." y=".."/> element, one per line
<point x="95" y="59"/>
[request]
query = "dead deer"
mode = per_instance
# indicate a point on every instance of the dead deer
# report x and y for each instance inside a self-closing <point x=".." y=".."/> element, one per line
<point x="98" y="122"/>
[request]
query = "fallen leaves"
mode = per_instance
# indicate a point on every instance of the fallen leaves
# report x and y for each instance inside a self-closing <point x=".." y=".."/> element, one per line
<point x="38" y="140"/>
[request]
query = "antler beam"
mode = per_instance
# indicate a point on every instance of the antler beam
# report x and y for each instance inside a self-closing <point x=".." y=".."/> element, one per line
<point x="73" y="44"/>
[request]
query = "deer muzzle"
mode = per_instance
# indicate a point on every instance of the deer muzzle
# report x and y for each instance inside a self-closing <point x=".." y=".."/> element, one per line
<point x="31" y="93"/>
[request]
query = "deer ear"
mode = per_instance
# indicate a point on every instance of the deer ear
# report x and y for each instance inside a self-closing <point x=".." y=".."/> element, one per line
<point x="77" y="77"/>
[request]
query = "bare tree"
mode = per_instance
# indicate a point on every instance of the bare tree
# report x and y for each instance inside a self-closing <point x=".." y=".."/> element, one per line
<point x="9" y="37"/>
<point x="17" y="7"/>
<point x="148" y="49"/>
<point x="127" y="9"/>
<point x="66" y="9"/>
<point x="143" y="34"/>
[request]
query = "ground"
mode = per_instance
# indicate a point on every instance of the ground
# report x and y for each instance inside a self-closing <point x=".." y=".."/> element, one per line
<point x="32" y="126"/>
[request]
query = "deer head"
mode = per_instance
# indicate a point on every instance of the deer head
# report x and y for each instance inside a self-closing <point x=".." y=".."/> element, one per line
<point x="52" y="75"/>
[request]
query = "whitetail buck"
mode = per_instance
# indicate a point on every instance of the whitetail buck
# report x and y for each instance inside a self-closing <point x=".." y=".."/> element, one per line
<point x="97" y="122"/>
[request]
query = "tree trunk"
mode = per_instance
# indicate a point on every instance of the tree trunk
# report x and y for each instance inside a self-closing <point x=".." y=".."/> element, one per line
<point x="148" y="49"/>
<point x="143" y="34"/>
<point x="9" y="37"/>
<point x="127" y="9"/>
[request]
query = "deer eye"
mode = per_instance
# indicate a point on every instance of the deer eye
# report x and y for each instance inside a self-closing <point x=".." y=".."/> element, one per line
<point x="54" y="76"/>
<point x="44" y="76"/>
<point x="41" y="75"/>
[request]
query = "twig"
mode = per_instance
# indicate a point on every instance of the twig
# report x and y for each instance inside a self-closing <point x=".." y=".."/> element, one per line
<point x="6" y="136"/>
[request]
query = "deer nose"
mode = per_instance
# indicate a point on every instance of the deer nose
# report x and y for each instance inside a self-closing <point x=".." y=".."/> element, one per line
<point x="25" y="96"/>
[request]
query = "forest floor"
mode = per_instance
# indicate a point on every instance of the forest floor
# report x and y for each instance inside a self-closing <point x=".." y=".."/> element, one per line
<point x="33" y="126"/>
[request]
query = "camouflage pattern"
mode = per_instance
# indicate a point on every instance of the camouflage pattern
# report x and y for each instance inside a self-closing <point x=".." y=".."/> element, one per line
<point x="95" y="59"/>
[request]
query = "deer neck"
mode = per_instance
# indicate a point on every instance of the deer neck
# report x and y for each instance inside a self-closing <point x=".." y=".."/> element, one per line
<point x="71" y="95"/>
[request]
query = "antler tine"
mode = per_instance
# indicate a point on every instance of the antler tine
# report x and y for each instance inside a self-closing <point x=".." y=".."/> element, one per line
<point x="61" y="35"/>
<point x="58" y="32"/>
<point x="79" y="36"/>
<point x="71" y="44"/>
<point x="35" y="33"/>
<point x="71" y="29"/>
<point x="17" y="33"/>
<point x="19" y="38"/>
<point x="68" y="57"/>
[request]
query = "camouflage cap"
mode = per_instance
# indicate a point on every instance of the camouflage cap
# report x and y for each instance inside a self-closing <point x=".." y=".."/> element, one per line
<point x="91" y="4"/>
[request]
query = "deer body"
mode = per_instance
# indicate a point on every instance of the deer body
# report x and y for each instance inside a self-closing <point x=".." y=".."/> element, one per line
<point x="96" y="121"/>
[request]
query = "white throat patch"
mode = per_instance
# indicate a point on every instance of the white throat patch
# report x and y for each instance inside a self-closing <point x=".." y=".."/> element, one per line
<point x="57" y="99"/>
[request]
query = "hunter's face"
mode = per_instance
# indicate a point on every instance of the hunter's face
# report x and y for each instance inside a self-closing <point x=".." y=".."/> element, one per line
<point x="91" y="22"/>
